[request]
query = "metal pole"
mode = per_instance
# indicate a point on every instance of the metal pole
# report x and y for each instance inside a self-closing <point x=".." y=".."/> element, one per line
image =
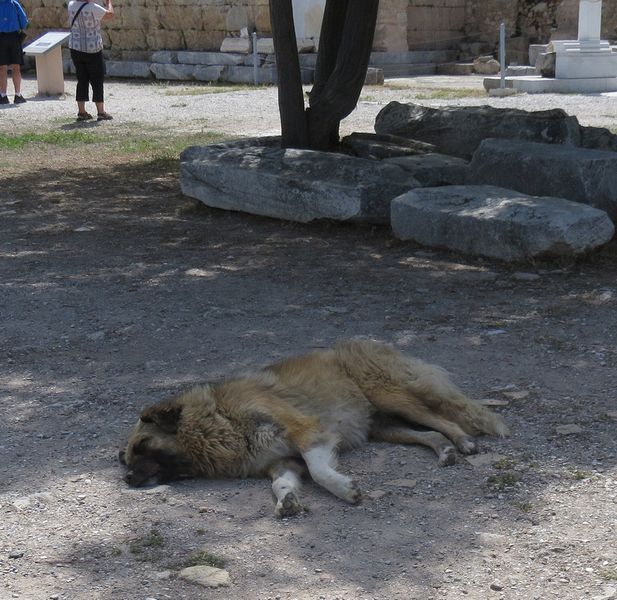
<point x="502" y="53"/>
<point x="255" y="60"/>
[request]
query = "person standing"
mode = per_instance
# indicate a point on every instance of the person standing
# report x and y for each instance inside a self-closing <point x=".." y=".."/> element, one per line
<point x="86" y="45"/>
<point x="13" y="20"/>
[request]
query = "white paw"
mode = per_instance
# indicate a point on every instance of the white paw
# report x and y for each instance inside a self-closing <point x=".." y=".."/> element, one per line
<point x="447" y="456"/>
<point x="467" y="445"/>
<point x="288" y="506"/>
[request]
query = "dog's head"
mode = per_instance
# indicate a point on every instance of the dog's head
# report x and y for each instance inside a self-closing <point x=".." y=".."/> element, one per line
<point x="160" y="445"/>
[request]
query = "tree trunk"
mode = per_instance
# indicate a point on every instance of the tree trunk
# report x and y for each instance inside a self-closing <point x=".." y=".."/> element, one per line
<point x="345" y="47"/>
<point x="294" y="128"/>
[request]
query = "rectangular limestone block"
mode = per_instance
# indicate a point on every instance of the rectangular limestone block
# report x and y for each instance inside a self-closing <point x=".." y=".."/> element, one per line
<point x="208" y="73"/>
<point x="210" y="58"/>
<point x="578" y="174"/>
<point x="291" y="184"/>
<point x="498" y="223"/>
<point x="237" y="45"/>
<point x="121" y="68"/>
<point x="174" y="72"/>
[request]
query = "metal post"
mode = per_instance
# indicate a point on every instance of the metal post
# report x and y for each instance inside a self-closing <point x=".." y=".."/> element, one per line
<point x="502" y="53"/>
<point x="255" y="60"/>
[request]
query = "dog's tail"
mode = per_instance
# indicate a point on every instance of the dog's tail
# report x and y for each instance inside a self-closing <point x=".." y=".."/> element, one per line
<point x="383" y="373"/>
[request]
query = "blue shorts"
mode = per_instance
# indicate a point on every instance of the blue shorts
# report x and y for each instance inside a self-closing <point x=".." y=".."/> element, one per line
<point x="10" y="49"/>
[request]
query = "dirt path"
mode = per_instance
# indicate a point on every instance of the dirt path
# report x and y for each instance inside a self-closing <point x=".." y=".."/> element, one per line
<point x="115" y="291"/>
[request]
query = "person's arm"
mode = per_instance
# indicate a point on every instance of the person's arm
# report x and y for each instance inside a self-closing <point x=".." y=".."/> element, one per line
<point x="109" y="14"/>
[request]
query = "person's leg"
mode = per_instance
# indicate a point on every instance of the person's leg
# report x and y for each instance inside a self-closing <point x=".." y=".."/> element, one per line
<point x="3" y="79"/>
<point x="82" y="89"/>
<point x="16" y="76"/>
<point x="97" y="75"/>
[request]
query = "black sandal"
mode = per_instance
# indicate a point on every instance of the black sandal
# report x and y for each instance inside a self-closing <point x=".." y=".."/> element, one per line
<point x="84" y="116"/>
<point x="104" y="117"/>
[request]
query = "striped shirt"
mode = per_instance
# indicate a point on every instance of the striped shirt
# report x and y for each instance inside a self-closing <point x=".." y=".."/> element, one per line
<point x="86" y="31"/>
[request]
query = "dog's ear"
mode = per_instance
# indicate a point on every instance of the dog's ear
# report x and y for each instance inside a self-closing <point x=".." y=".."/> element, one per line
<point x="165" y="414"/>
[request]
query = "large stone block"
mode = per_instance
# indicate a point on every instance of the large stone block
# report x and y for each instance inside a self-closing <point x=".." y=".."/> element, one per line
<point x="434" y="169"/>
<point x="122" y="68"/>
<point x="579" y="174"/>
<point x="498" y="223"/>
<point x="208" y="73"/>
<point x="175" y="72"/>
<point x="210" y="58"/>
<point x="459" y="130"/>
<point x="237" y="45"/>
<point x="296" y="185"/>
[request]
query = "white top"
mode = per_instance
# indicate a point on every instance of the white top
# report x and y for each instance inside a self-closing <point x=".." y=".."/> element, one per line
<point x="86" y="31"/>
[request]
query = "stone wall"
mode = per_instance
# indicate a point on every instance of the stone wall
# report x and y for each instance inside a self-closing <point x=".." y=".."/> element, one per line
<point x="143" y="26"/>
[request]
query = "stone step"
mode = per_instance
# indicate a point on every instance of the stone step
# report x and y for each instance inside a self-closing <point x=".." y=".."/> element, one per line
<point x="498" y="223"/>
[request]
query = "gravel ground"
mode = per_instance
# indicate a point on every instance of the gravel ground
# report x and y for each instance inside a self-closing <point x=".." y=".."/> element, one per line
<point x="116" y="291"/>
<point x="255" y="112"/>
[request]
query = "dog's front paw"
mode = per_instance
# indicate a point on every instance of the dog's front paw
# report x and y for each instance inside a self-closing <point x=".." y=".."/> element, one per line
<point x="288" y="506"/>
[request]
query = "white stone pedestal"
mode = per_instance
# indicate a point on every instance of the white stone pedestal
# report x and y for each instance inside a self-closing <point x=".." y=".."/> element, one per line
<point x="587" y="64"/>
<point x="48" y="56"/>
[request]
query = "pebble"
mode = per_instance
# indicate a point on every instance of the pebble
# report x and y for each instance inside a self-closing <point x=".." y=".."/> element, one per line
<point x="16" y="554"/>
<point x="496" y="586"/>
<point x="568" y="429"/>
<point x="206" y="576"/>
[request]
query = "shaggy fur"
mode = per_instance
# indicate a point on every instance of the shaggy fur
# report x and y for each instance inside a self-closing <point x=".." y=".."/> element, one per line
<point x="298" y="414"/>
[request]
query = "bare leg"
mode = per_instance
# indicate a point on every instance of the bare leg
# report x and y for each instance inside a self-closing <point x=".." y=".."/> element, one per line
<point x="400" y="434"/>
<point x="16" y="75"/>
<point x="321" y="463"/>
<point x="286" y="476"/>
<point x="3" y="79"/>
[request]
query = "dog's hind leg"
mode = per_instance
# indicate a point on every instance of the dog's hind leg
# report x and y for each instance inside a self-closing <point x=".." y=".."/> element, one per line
<point x="394" y="432"/>
<point x="321" y="462"/>
<point x="286" y="477"/>
<point x="414" y="410"/>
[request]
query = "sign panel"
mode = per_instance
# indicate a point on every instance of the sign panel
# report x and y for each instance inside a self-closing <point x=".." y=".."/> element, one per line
<point x="45" y="43"/>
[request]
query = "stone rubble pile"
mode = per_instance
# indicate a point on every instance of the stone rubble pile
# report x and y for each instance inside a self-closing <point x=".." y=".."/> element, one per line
<point x="502" y="183"/>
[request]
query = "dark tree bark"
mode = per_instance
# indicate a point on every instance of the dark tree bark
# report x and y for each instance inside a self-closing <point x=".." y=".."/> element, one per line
<point x="345" y="45"/>
<point x="291" y="101"/>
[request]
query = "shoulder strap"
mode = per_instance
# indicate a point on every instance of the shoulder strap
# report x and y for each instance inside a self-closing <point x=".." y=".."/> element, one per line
<point x="77" y="14"/>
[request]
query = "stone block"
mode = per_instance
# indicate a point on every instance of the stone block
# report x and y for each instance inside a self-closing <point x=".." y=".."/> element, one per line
<point x="121" y="68"/>
<point x="458" y="130"/>
<point x="292" y="184"/>
<point x="265" y="45"/>
<point x="580" y="174"/>
<point x="239" y="45"/>
<point x="486" y="65"/>
<point x="245" y="74"/>
<point x="197" y="39"/>
<point x="498" y="223"/>
<point x="433" y="169"/>
<point x="210" y="58"/>
<point x="165" y="56"/>
<point x="208" y="73"/>
<point x="164" y="39"/>
<point x="176" y="72"/>
<point x="125" y="39"/>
